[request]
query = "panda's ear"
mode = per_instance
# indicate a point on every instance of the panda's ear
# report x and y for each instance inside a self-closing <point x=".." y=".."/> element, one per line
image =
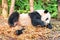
<point x="46" y="11"/>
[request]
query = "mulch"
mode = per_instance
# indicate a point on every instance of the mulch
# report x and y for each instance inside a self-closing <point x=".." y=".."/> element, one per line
<point x="30" y="33"/>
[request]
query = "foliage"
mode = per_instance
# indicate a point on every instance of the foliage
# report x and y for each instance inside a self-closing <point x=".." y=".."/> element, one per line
<point x="9" y="3"/>
<point x="50" y="5"/>
<point x="0" y="2"/>
<point x="23" y="6"/>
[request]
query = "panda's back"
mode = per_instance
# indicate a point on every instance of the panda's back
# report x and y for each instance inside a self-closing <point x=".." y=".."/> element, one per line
<point x="25" y="20"/>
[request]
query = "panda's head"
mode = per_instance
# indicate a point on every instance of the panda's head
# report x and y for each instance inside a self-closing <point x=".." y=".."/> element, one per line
<point x="45" y="16"/>
<point x="41" y="17"/>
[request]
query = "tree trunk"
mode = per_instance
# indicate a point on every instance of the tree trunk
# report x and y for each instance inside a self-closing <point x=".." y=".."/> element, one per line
<point x="58" y="18"/>
<point x="31" y="6"/>
<point x="0" y="7"/>
<point x="12" y="7"/>
<point x="4" y="8"/>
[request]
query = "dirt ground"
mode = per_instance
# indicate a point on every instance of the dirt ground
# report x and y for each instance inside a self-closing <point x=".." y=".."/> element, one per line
<point x="30" y="33"/>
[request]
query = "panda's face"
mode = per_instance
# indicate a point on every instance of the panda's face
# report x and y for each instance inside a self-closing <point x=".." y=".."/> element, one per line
<point x="45" y="16"/>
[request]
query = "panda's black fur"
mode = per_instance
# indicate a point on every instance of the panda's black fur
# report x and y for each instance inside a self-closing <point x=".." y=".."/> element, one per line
<point x="49" y="26"/>
<point x="13" y="18"/>
<point x="36" y="19"/>
<point x="18" y="32"/>
<point x="46" y="11"/>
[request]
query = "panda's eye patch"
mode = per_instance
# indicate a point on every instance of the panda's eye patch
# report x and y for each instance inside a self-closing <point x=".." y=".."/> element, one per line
<point x="46" y="18"/>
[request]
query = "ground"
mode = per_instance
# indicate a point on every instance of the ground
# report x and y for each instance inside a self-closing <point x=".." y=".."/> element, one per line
<point x="30" y="33"/>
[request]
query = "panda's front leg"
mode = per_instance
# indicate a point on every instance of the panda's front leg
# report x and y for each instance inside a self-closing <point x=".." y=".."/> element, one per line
<point x="37" y="22"/>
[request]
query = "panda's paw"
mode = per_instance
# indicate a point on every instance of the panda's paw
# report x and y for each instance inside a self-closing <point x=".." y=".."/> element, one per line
<point x="18" y="32"/>
<point x="11" y="25"/>
<point x="49" y="26"/>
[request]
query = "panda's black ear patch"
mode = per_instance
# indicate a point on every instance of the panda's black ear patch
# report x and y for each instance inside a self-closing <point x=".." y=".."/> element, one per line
<point x="46" y="11"/>
<point x="13" y="18"/>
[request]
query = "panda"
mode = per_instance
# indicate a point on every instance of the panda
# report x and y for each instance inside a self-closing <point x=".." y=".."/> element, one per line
<point x="35" y="18"/>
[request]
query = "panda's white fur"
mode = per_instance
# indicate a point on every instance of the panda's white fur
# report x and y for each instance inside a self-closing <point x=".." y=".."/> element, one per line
<point x="25" y="20"/>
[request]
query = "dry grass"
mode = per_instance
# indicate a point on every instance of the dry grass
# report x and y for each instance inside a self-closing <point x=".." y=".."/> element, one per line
<point x="30" y="33"/>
